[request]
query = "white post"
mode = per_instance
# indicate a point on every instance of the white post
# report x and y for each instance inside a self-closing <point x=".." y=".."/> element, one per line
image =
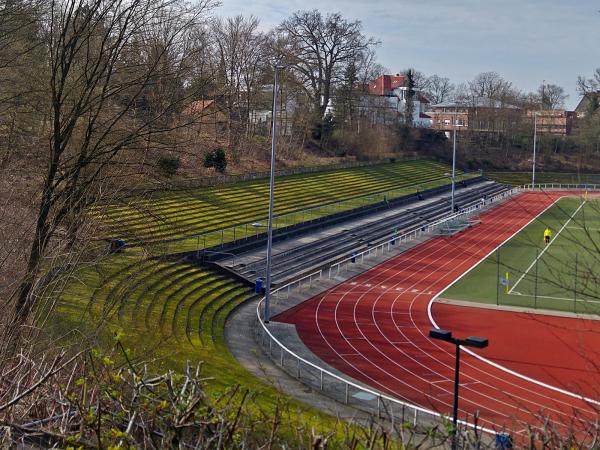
<point x="271" y="194"/>
<point x="453" y="165"/>
<point x="534" y="145"/>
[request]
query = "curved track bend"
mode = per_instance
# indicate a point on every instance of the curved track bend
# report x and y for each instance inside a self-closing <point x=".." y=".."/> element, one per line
<point x="374" y="327"/>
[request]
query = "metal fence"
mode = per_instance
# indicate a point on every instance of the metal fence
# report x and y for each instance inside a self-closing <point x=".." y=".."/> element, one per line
<point x="559" y="186"/>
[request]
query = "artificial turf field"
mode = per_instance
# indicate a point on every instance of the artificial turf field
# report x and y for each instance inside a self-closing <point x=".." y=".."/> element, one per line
<point x="563" y="275"/>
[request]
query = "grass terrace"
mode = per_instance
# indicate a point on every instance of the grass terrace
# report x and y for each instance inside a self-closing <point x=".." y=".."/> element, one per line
<point x="174" y="311"/>
<point x="167" y="313"/>
<point x="185" y="220"/>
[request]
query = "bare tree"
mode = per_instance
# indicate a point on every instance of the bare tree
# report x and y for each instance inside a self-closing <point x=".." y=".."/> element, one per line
<point x="588" y="85"/>
<point x="240" y="52"/>
<point x="317" y="48"/>
<point x="491" y="85"/>
<point x="368" y="68"/>
<point x="420" y="80"/>
<point x="551" y="96"/>
<point x="98" y="109"/>
<point x="439" y="89"/>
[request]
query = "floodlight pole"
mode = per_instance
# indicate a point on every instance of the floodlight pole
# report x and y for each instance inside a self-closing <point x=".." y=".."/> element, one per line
<point x="266" y="315"/>
<point x="454" y="160"/>
<point x="534" y="148"/>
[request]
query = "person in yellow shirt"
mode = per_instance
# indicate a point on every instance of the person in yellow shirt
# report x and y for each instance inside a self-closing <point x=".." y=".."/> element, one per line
<point x="547" y="235"/>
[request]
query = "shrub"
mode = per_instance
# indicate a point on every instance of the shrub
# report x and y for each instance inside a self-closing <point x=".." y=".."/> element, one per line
<point x="216" y="159"/>
<point x="169" y="164"/>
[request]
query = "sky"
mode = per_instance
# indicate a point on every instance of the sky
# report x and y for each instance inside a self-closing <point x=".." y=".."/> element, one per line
<point x="526" y="41"/>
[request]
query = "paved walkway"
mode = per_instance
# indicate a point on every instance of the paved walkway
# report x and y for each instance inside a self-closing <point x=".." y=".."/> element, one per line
<point x="240" y="332"/>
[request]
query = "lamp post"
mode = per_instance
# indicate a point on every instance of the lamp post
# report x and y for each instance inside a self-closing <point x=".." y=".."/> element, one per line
<point x="454" y="159"/>
<point x="266" y="315"/>
<point x="534" y="145"/>
<point x="473" y="341"/>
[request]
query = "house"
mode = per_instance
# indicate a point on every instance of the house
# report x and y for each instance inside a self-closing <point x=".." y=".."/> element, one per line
<point x="477" y="113"/>
<point x="556" y="122"/>
<point x="385" y="102"/>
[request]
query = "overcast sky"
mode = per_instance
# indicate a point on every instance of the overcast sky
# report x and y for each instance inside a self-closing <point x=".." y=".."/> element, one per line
<point x="525" y="41"/>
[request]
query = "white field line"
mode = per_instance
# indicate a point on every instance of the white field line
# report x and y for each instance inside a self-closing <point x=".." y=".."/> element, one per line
<point x="546" y="248"/>
<point x="579" y="299"/>
<point x="583" y="228"/>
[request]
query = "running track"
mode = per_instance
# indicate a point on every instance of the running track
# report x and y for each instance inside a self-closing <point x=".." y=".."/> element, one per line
<point x="374" y="327"/>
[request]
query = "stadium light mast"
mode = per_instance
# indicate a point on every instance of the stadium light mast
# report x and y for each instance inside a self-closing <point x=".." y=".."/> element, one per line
<point x="473" y="341"/>
<point x="454" y="159"/>
<point x="534" y="148"/>
<point x="266" y="314"/>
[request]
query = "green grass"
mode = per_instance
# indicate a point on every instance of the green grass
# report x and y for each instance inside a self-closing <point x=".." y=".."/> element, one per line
<point x="173" y="311"/>
<point x="519" y="178"/>
<point x="167" y="314"/>
<point x="566" y="276"/>
<point x="180" y="215"/>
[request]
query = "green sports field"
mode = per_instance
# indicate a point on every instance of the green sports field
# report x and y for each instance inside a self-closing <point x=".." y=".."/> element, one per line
<point x="564" y="275"/>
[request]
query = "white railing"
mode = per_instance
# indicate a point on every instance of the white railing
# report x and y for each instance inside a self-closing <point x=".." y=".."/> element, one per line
<point x="337" y="386"/>
<point x="560" y="186"/>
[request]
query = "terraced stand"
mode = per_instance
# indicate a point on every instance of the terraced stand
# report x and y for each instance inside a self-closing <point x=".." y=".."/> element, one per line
<point x="172" y="216"/>
<point x="173" y="311"/>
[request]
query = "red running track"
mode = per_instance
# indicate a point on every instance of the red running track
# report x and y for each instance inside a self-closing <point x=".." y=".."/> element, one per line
<point x="374" y="327"/>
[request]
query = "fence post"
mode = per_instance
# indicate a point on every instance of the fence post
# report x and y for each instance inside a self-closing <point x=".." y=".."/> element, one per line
<point x="321" y="374"/>
<point x="498" y="277"/>
<point x="575" y="287"/>
<point x="346" y="398"/>
<point x="535" y="286"/>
